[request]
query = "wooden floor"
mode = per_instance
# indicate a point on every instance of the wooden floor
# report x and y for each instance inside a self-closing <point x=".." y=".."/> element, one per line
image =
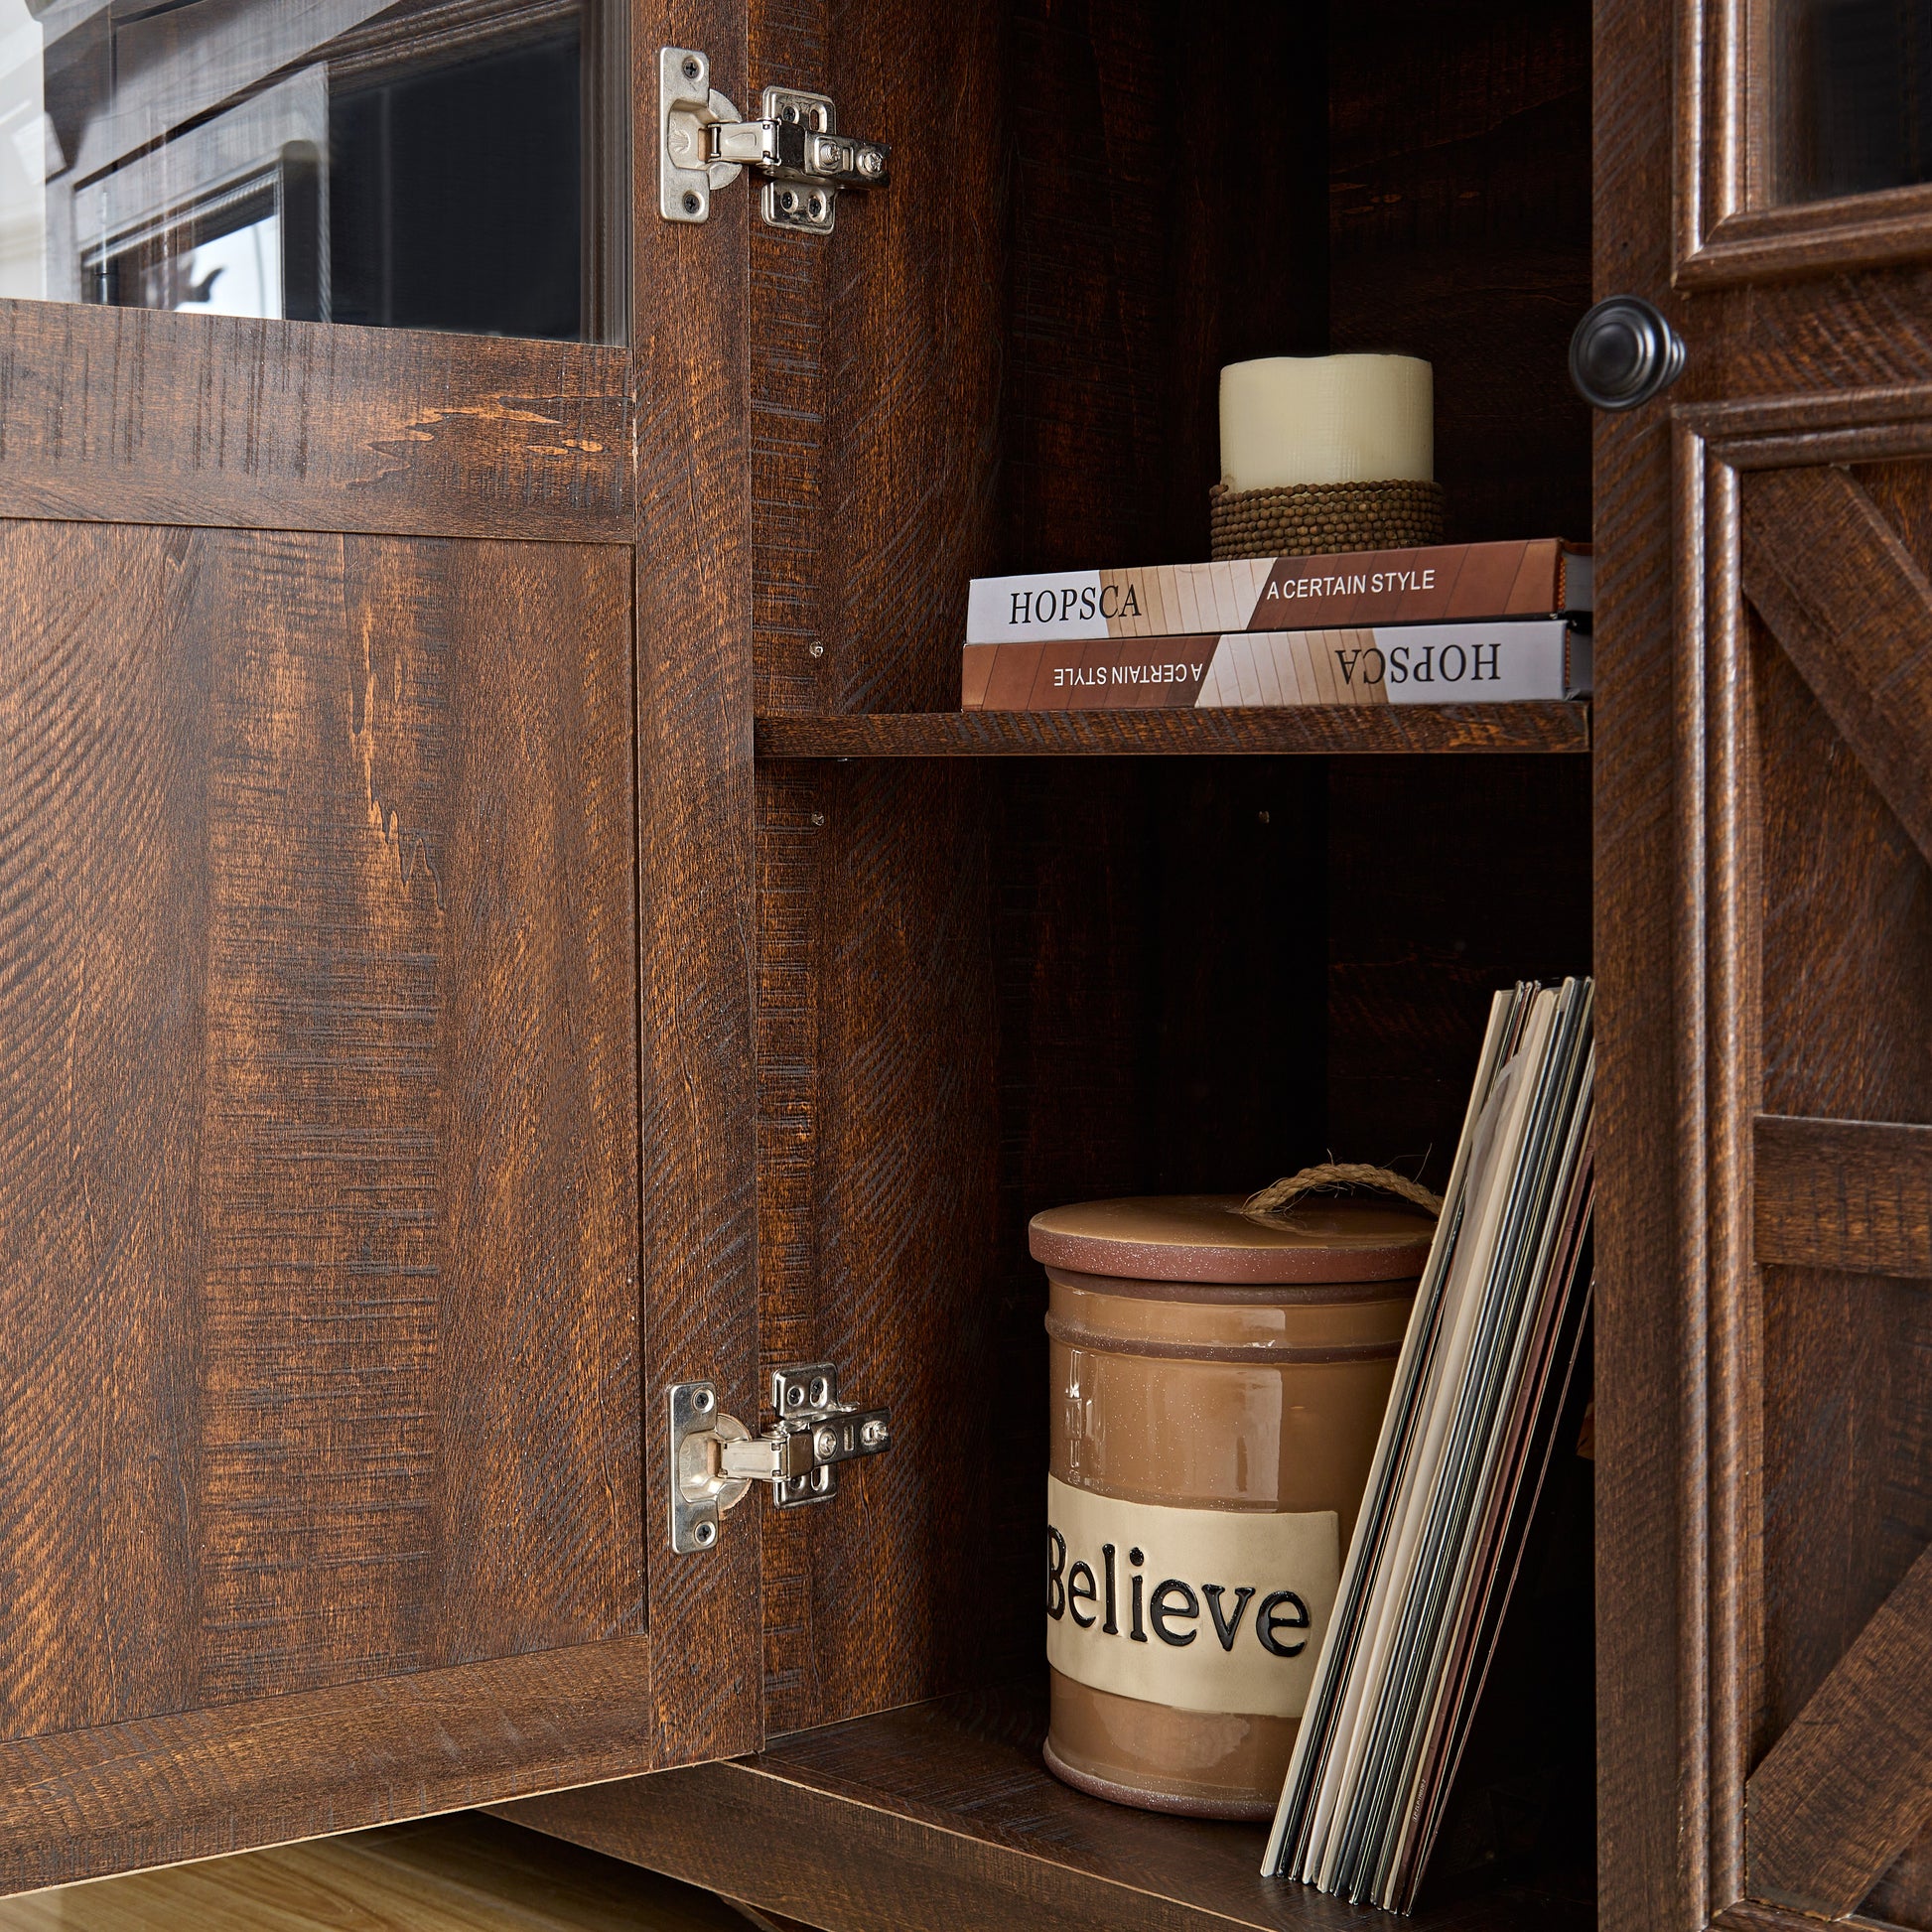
<point x="461" y="1873"/>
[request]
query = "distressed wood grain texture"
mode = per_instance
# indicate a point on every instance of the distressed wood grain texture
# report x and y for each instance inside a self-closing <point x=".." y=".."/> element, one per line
<point x="1645" y="1845"/>
<point x="317" y="1221"/>
<point x="140" y="416"/>
<point x="1848" y="1036"/>
<point x="197" y="1784"/>
<point x="1460" y="230"/>
<point x="1855" y="1195"/>
<point x="795" y="367"/>
<point x="1853" y="610"/>
<point x="876" y="364"/>
<point x="1414" y="963"/>
<point x="1850" y="1784"/>
<point x="1133" y="279"/>
<point x="984" y="990"/>
<point x="1769" y="245"/>
<point x="792" y="860"/>
<point x="695" y="870"/>
<point x="1315" y="731"/>
<point x="941" y="1818"/>
<point x="879" y="1222"/>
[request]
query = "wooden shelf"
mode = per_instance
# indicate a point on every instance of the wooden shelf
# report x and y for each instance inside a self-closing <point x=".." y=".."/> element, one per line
<point x="1310" y="728"/>
<point x="941" y="1818"/>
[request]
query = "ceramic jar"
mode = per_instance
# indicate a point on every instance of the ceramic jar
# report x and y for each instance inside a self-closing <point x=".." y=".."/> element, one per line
<point x="1217" y="1386"/>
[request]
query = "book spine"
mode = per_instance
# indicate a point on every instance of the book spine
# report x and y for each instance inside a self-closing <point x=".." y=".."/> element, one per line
<point x="1450" y="583"/>
<point x="1514" y="661"/>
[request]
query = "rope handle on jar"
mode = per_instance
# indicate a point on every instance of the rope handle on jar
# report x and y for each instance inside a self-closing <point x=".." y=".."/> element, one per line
<point x="1267" y="1203"/>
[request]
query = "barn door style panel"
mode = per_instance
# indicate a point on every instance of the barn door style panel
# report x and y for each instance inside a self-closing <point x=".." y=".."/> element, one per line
<point x="1765" y="819"/>
<point x="1805" y="703"/>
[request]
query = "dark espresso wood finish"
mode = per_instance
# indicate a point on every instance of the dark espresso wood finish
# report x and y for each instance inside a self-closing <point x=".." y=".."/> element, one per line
<point x="1459" y="230"/>
<point x="497" y="913"/>
<point x="1846" y="1194"/>
<point x="130" y="416"/>
<point x="319" y="1245"/>
<point x="1651" y="1293"/>
<point x="378" y="743"/>
<point x="1763" y="1441"/>
<point x="1849" y="1785"/>
<point x="942" y="1816"/>
<point x="1318" y="729"/>
<point x="1846" y="1478"/>
<point x="1853" y="610"/>
<point x="316" y="1761"/>
<point x="694" y="856"/>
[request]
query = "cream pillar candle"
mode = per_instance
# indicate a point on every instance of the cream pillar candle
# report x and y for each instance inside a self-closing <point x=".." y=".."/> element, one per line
<point x="1327" y="419"/>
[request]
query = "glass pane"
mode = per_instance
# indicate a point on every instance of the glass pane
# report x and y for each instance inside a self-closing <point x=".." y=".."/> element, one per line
<point x="1852" y="96"/>
<point x="430" y="164"/>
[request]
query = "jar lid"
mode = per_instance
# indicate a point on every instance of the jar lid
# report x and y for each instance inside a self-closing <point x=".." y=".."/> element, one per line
<point x="1206" y="1238"/>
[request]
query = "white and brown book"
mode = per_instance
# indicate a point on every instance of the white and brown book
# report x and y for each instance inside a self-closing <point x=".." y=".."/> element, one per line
<point x="1502" y="662"/>
<point x="1447" y="583"/>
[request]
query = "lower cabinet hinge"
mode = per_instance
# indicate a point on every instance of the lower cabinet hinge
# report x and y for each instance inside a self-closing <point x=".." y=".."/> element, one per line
<point x="796" y="146"/>
<point x="715" y="1459"/>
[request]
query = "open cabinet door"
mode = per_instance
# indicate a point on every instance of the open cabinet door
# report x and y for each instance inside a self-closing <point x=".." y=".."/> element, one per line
<point x="374" y="751"/>
<point x="1765" y="839"/>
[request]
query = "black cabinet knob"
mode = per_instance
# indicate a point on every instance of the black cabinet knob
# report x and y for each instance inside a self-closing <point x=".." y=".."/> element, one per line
<point x="1624" y="352"/>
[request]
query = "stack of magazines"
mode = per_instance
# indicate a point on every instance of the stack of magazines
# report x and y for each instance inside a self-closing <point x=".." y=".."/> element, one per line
<point x="1478" y="1390"/>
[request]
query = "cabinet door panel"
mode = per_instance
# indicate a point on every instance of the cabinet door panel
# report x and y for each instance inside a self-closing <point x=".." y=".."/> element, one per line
<point x="1765" y="630"/>
<point x="317" y="1281"/>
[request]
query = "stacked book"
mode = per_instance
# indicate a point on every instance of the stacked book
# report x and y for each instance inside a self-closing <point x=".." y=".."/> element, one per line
<point x="1482" y="622"/>
<point x="1470" y="1428"/>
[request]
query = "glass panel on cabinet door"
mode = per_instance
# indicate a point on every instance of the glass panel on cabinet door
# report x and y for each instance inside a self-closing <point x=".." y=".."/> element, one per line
<point x="1851" y="96"/>
<point x="439" y="164"/>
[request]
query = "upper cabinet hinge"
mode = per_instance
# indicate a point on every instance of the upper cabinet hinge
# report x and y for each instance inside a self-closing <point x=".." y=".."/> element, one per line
<point x="715" y="1459"/>
<point x="796" y="146"/>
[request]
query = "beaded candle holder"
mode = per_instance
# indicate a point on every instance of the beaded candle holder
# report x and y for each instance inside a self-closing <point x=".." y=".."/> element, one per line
<point x="1323" y="454"/>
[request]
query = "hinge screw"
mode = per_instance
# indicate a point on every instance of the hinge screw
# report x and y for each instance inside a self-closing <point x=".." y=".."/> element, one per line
<point x="691" y="69"/>
<point x="704" y="1402"/>
<point x="816" y="650"/>
<point x="691" y="202"/>
<point x="873" y="1433"/>
<point x="825" y="1442"/>
<point x="818" y="818"/>
<point x="705" y="1535"/>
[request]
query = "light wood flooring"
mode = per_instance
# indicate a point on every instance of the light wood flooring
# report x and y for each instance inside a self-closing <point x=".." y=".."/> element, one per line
<point x="461" y="1873"/>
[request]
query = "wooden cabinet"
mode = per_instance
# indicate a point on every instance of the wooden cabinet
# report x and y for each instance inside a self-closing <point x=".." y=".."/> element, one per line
<point x="499" y="913"/>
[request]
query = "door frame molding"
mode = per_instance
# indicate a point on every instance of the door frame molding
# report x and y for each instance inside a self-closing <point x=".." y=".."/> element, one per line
<point x="1727" y="230"/>
<point x="1718" y="915"/>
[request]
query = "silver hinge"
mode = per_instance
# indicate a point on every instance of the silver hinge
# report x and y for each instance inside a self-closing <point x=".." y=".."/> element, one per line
<point x="703" y="146"/>
<point x="715" y="1459"/>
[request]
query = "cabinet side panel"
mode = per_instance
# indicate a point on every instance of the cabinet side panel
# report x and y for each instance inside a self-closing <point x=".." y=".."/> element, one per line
<point x="1649" y="1827"/>
<point x="695" y="882"/>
